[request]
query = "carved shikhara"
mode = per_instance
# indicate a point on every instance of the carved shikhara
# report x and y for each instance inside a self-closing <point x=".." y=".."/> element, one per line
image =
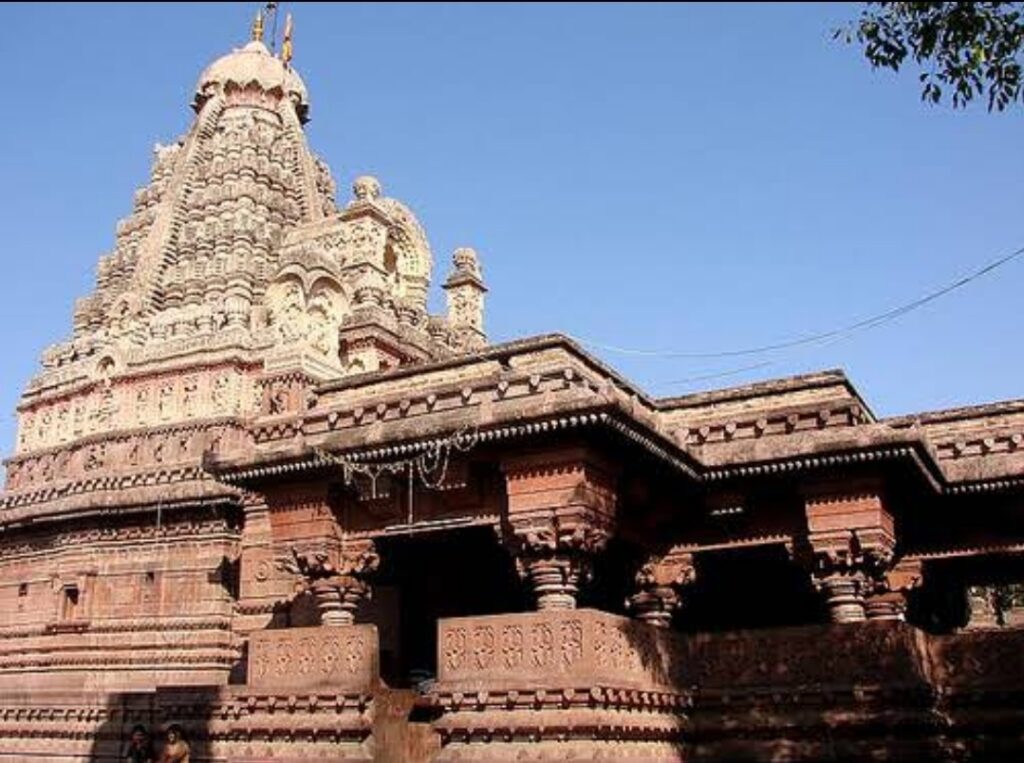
<point x="234" y="264"/>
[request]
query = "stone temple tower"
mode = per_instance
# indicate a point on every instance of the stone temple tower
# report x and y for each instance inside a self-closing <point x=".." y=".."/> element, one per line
<point x="234" y="287"/>
<point x="236" y="273"/>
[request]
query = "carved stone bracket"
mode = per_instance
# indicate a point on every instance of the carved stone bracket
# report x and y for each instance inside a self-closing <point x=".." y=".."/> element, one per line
<point x="660" y="583"/>
<point x="337" y="587"/>
<point x="888" y="599"/>
<point x="850" y="547"/>
<point x="847" y="567"/>
<point x="556" y="560"/>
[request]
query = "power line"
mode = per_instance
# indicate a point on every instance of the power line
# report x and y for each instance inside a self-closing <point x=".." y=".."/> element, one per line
<point x="837" y="333"/>
<point x="750" y="367"/>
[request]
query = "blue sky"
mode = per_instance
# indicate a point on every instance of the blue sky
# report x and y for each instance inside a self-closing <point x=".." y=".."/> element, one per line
<point x="685" y="177"/>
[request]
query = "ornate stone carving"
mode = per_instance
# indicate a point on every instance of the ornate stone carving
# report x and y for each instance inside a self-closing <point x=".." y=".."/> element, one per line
<point x="337" y="587"/>
<point x="850" y="547"/>
<point x="561" y="509"/>
<point x="465" y="289"/>
<point x="311" y="658"/>
<point x="887" y="600"/>
<point x="556" y="560"/>
<point x="660" y="581"/>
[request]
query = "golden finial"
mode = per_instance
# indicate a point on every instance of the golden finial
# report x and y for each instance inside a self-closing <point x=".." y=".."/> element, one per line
<point x="286" y="44"/>
<point x="257" y="27"/>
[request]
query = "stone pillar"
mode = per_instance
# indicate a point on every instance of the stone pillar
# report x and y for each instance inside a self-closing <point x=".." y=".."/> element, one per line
<point x="261" y="587"/>
<point x="366" y="223"/>
<point x="850" y="545"/>
<point x="561" y="506"/>
<point x="660" y="582"/>
<point x="995" y="605"/>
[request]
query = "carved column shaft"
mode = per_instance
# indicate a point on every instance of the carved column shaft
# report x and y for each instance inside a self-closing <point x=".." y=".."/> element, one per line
<point x="555" y="581"/>
<point x="844" y="596"/>
<point x="337" y="599"/>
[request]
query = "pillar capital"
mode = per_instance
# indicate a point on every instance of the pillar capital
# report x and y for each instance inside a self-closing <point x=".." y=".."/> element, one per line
<point x="561" y="511"/>
<point x="850" y="545"/>
<point x="660" y="582"/>
<point x="336" y="577"/>
<point x="555" y="558"/>
<point x="888" y="598"/>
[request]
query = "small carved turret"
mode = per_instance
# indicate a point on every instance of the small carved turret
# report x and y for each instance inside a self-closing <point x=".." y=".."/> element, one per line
<point x="466" y="289"/>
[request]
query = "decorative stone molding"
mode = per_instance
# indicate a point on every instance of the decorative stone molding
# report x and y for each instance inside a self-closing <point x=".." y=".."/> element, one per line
<point x="660" y="582"/>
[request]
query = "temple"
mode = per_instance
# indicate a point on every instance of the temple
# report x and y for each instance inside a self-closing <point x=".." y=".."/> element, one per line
<point x="263" y="493"/>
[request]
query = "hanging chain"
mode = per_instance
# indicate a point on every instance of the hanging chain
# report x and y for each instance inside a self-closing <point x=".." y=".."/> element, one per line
<point x="431" y="466"/>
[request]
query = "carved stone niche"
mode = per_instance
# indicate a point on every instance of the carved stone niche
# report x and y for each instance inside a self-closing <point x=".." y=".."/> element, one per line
<point x="660" y="582"/>
<point x="285" y="394"/>
<point x="850" y="548"/>
<point x="561" y="510"/>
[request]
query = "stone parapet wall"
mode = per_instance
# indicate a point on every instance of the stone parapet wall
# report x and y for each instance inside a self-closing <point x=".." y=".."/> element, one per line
<point x="534" y="648"/>
<point x="586" y="686"/>
<point x="558" y="685"/>
<point x="311" y="658"/>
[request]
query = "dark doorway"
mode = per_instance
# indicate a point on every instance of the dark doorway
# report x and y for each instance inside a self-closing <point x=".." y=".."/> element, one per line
<point x="756" y="587"/>
<point x="428" y="576"/>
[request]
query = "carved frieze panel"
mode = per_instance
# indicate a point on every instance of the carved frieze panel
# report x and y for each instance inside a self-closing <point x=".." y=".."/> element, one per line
<point x="343" y="658"/>
<point x="555" y="646"/>
<point x="143" y="452"/>
<point x="146" y="402"/>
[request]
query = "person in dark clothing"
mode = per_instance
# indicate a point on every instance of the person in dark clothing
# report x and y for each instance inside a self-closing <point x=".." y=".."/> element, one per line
<point x="139" y="749"/>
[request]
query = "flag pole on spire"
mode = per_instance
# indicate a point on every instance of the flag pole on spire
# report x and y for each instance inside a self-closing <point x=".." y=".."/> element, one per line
<point x="271" y="10"/>
<point x="256" y="32"/>
<point x="286" y="44"/>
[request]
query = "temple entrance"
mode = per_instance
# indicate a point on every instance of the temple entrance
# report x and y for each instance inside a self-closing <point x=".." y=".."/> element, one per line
<point x="755" y="587"/>
<point x="428" y="576"/>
